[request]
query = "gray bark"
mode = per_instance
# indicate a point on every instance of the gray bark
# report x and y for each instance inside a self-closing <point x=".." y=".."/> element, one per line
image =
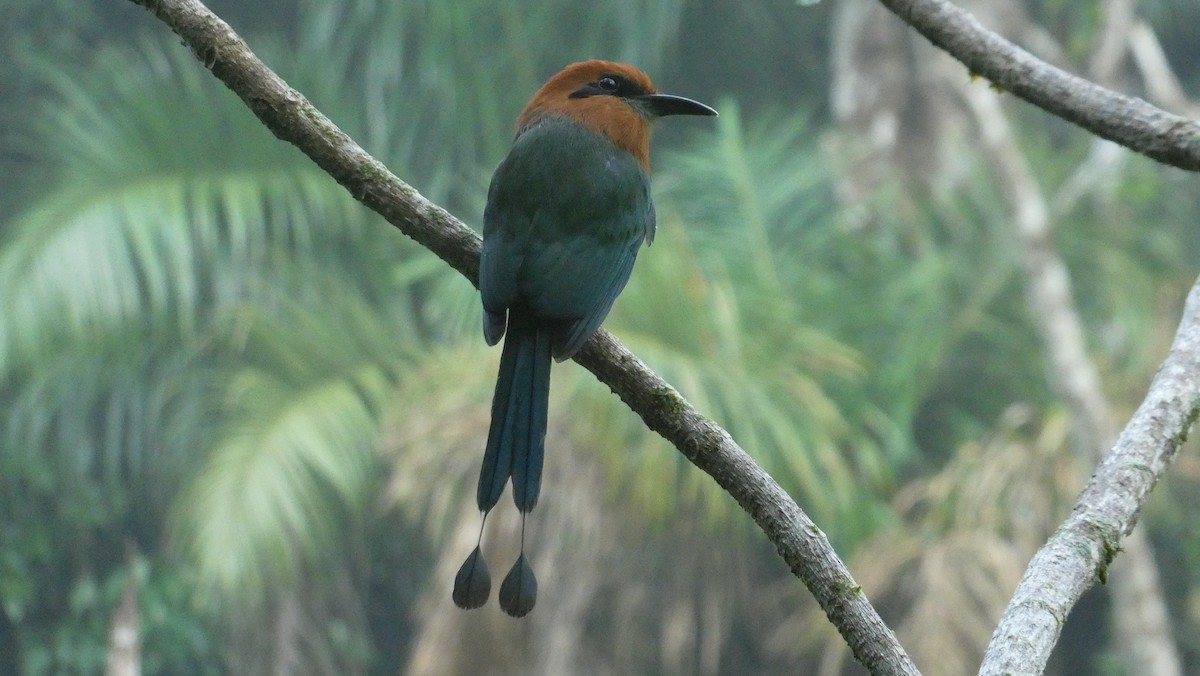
<point x="1127" y="120"/>
<point x="1080" y="552"/>
<point x="1139" y="613"/>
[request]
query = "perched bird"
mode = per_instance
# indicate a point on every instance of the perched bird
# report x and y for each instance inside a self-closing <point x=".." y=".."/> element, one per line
<point x="567" y="211"/>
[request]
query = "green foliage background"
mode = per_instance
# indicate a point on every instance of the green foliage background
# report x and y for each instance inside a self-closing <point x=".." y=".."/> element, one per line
<point x="223" y="377"/>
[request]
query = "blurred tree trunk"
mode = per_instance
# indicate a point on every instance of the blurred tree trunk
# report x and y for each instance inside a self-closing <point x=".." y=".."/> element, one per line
<point x="124" y="634"/>
<point x="1139" y="612"/>
<point x="903" y="101"/>
<point x="889" y="92"/>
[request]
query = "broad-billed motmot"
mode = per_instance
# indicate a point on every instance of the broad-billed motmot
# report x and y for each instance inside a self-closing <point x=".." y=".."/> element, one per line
<point x="566" y="213"/>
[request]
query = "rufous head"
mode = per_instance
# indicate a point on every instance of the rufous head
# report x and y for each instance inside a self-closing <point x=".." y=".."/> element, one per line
<point x="613" y="99"/>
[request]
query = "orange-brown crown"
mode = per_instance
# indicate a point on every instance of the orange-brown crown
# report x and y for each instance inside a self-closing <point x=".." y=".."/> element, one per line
<point x="613" y="116"/>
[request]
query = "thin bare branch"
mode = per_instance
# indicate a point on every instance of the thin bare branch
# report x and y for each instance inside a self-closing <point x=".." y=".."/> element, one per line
<point x="1127" y="120"/>
<point x="797" y="539"/>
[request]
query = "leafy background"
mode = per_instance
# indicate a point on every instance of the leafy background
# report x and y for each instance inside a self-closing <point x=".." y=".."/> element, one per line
<point x="225" y="384"/>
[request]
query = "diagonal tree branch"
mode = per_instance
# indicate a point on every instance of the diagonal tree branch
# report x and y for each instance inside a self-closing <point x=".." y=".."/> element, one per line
<point x="1140" y="610"/>
<point x="1127" y="120"/>
<point x="1104" y="516"/>
<point x="799" y="542"/>
<point x="1079" y="552"/>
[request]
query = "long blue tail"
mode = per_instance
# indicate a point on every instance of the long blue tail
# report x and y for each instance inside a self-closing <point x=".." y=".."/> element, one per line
<point x="517" y="437"/>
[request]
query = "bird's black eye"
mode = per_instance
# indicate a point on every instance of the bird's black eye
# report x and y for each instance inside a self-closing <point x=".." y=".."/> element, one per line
<point x="607" y="85"/>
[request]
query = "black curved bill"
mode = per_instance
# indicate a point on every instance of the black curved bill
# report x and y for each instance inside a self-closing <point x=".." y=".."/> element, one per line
<point x="666" y="104"/>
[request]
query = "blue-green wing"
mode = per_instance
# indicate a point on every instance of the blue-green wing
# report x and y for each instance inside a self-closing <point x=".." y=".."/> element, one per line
<point x="567" y="212"/>
<point x="584" y="277"/>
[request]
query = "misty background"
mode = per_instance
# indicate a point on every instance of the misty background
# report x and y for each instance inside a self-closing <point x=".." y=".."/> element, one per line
<point x="242" y="416"/>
